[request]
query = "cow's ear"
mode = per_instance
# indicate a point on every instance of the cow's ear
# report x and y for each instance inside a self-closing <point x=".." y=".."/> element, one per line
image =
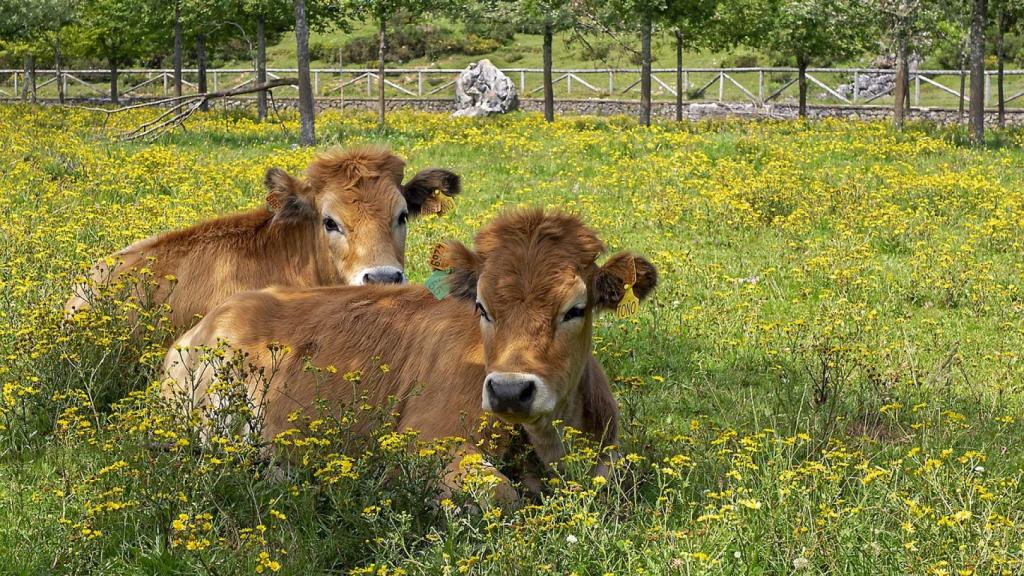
<point x="421" y="191"/>
<point x="465" y="270"/>
<point x="287" y="197"/>
<point x="610" y="285"/>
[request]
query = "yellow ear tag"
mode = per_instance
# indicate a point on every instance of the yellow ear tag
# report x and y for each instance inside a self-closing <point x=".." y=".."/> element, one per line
<point x="629" y="305"/>
<point x="444" y="200"/>
<point x="437" y="203"/>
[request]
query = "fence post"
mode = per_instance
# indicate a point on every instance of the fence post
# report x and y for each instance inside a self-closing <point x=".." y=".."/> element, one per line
<point x="369" y="89"/>
<point x="611" y="82"/>
<point x="568" y="82"/>
<point x="760" y="85"/>
<point x="686" y="80"/>
<point x="15" y="84"/>
<point x="216" y="84"/>
<point x="164" y="78"/>
<point x="316" y="82"/>
<point x="917" y="90"/>
<point x="988" y="87"/>
<point x="419" y="83"/>
<point x="721" y="86"/>
<point x="522" y="82"/>
<point x="856" y="86"/>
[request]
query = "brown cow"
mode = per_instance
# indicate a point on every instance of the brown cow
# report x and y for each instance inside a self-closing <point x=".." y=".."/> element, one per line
<point x="514" y="340"/>
<point x="344" y="224"/>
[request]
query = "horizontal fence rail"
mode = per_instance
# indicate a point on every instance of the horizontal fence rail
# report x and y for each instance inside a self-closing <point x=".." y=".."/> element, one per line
<point x="753" y="85"/>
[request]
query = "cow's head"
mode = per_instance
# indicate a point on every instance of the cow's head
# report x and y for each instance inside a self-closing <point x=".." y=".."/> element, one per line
<point x="358" y="208"/>
<point x="534" y="278"/>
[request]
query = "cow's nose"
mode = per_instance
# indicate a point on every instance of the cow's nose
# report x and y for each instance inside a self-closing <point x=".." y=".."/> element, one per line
<point x="383" y="275"/>
<point x="511" y="393"/>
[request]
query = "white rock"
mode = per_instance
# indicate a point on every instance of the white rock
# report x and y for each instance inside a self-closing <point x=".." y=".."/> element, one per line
<point x="482" y="90"/>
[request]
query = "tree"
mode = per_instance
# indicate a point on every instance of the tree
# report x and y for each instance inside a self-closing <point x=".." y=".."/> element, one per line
<point x="804" y="31"/>
<point x="976" y="119"/>
<point x="691" y="23"/>
<point x="380" y="11"/>
<point x="636" y="17"/>
<point x="307" y="112"/>
<point x="117" y="31"/>
<point x="30" y="29"/>
<point x="1007" y="15"/>
<point x="269" y="17"/>
<point x="909" y="25"/>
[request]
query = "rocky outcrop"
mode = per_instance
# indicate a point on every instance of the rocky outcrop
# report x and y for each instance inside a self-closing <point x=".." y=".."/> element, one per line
<point x="482" y="89"/>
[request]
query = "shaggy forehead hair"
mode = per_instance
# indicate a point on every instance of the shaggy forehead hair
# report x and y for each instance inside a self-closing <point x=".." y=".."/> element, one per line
<point x="352" y="167"/>
<point x="533" y="251"/>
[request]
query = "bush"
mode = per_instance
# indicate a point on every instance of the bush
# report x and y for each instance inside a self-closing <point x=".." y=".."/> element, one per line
<point x="740" y="61"/>
<point x="409" y="40"/>
<point x="501" y="32"/>
<point x="320" y="50"/>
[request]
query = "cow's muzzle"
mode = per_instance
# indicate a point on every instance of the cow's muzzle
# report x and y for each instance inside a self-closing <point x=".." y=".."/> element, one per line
<point x="511" y="393"/>
<point x="380" y="275"/>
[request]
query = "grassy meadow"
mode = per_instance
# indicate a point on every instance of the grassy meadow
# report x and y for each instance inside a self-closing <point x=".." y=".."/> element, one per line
<point x="828" y="379"/>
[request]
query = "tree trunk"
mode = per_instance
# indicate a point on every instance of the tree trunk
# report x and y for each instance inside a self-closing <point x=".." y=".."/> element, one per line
<point x="963" y="86"/>
<point x="380" y="71"/>
<point x="679" y="76"/>
<point x="261" y="67"/>
<point x="31" y="83"/>
<point x="201" y="64"/>
<point x="549" y="88"/>
<point x="902" y="82"/>
<point x="113" y="81"/>
<point x="801" y="63"/>
<point x="645" y="71"/>
<point x="307" y="113"/>
<point x="177" y="48"/>
<point x="24" y="85"/>
<point x="56" y="65"/>
<point x="1001" y="61"/>
<point x="977" y="110"/>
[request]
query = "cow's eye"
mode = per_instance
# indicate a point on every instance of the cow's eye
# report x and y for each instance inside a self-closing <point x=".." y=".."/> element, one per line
<point x="482" y="311"/>
<point x="402" y="219"/>
<point x="574" y="313"/>
<point x="331" y="225"/>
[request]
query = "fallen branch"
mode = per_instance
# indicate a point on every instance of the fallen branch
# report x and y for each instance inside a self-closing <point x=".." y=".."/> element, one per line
<point x="183" y="107"/>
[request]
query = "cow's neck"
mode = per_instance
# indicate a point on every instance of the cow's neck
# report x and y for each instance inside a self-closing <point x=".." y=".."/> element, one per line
<point x="546" y="438"/>
<point x="305" y="264"/>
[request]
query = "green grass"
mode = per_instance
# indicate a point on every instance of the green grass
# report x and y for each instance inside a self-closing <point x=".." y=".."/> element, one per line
<point x="827" y="380"/>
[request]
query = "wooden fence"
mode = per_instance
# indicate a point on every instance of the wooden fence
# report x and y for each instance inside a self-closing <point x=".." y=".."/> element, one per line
<point x="929" y="88"/>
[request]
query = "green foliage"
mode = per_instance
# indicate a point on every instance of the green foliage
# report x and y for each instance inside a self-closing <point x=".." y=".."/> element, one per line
<point x="802" y="31"/>
<point x="408" y="39"/>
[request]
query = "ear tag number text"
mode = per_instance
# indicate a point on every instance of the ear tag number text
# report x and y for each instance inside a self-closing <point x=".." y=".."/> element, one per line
<point x="629" y="305"/>
<point x="437" y="283"/>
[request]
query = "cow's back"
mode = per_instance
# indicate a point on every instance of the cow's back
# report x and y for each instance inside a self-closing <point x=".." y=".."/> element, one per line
<point x="377" y="344"/>
<point x="197" y="268"/>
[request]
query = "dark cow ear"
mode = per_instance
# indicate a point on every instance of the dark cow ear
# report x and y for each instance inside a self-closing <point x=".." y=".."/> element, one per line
<point x="465" y="267"/>
<point x="287" y="197"/>
<point x="610" y="285"/>
<point x="420" y="190"/>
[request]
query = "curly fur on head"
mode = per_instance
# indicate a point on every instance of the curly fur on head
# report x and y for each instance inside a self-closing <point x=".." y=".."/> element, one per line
<point x="354" y="164"/>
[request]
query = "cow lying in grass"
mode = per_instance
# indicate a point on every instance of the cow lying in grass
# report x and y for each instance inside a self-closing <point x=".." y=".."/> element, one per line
<point x="344" y="224"/>
<point x="513" y="339"/>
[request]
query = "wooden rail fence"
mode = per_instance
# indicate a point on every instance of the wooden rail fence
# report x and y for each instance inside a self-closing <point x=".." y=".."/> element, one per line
<point x="759" y="85"/>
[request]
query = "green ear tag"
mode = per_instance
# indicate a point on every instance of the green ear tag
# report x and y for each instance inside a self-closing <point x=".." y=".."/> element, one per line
<point x="437" y="283"/>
